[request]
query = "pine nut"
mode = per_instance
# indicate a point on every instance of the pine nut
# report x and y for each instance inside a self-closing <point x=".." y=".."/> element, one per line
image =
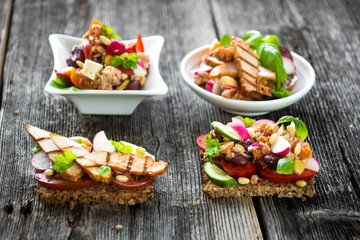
<point x="254" y="179"/>
<point x="251" y="132"/>
<point x="124" y="55"/>
<point x="131" y="202"/>
<point x="49" y="172"/>
<point x="86" y="141"/>
<point x="106" y="41"/>
<point x="301" y="183"/>
<point x="273" y="138"/>
<point x="122" y="178"/>
<point x="140" y="150"/>
<point x="80" y="63"/>
<point x="243" y="180"/>
<point x="297" y="149"/>
<point x="291" y="130"/>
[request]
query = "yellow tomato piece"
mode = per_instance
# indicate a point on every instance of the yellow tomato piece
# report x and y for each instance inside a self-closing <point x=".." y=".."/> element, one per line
<point x="299" y="166"/>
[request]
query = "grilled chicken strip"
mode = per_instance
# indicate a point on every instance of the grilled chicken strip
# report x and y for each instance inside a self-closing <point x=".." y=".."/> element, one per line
<point x="247" y="65"/>
<point x="43" y="138"/>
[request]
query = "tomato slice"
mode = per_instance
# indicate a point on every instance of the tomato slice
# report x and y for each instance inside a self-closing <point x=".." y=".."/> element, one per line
<point x="139" y="43"/>
<point x="56" y="183"/>
<point x="132" y="183"/>
<point x="81" y="81"/>
<point x="237" y="171"/>
<point x="285" y="178"/>
<point x="201" y="141"/>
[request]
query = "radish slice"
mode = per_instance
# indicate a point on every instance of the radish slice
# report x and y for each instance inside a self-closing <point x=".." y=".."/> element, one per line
<point x="254" y="145"/>
<point x="312" y="164"/>
<point x="101" y="143"/>
<point x="281" y="147"/>
<point x="239" y="121"/>
<point x="216" y="88"/>
<point x="139" y="70"/>
<point x="40" y="161"/>
<point x="115" y="47"/>
<point x="243" y="133"/>
<point x="209" y="85"/>
<point x="261" y="121"/>
<point x="201" y="69"/>
<point x="289" y="65"/>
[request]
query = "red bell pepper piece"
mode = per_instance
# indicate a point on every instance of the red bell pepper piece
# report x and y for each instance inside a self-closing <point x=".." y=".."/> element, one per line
<point x="139" y="44"/>
<point x="86" y="48"/>
<point x="127" y="71"/>
<point x="61" y="74"/>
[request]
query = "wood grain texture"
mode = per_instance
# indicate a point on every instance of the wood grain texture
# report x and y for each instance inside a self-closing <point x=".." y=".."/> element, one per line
<point x="166" y="126"/>
<point x="327" y="34"/>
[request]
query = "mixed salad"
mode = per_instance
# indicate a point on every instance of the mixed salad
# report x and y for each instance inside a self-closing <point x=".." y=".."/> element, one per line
<point x="247" y="151"/>
<point x="103" y="61"/>
<point x="253" y="67"/>
<point x="75" y="163"/>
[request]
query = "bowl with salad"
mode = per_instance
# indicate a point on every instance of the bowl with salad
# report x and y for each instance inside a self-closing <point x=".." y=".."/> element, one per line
<point x="249" y="75"/>
<point x="103" y="74"/>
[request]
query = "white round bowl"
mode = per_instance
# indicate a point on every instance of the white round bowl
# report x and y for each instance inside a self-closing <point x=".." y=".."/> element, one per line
<point x="304" y="71"/>
<point x="105" y="102"/>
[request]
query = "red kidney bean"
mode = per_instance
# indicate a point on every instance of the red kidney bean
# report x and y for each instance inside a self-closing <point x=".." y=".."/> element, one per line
<point x="133" y="85"/>
<point x="240" y="160"/>
<point x="271" y="160"/>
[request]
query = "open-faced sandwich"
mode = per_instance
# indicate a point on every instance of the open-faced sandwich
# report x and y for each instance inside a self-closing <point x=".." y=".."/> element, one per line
<point x="253" y="67"/>
<point x="74" y="170"/>
<point x="258" y="158"/>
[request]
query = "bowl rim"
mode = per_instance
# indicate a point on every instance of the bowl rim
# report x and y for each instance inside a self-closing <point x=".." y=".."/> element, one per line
<point x="158" y="90"/>
<point x="293" y="97"/>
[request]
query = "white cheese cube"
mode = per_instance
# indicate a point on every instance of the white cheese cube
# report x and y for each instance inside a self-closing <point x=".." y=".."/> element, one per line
<point x="91" y="68"/>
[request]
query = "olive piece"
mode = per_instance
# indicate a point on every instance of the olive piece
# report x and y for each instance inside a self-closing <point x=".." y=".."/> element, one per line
<point x="239" y="160"/>
<point x="77" y="54"/>
<point x="133" y="85"/>
<point x="216" y="134"/>
<point x="249" y="141"/>
<point x="271" y="160"/>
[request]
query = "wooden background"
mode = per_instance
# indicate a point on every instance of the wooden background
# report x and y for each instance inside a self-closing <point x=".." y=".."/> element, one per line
<point x="324" y="32"/>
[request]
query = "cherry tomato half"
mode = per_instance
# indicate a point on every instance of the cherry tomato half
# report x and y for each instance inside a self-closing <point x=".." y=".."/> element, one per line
<point x="132" y="183"/>
<point x="274" y="177"/>
<point x="81" y="81"/>
<point x="57" y="183"/>
<point x="201" y="141"/>
<point x="237" y="171"/>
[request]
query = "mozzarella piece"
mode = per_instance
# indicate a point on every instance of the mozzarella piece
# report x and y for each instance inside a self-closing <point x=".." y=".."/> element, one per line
<point x="91" y="68"/>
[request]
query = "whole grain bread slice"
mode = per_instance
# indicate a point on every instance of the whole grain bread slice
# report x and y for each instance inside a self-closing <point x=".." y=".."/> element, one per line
<point x="260" y="189"/>
<point x="103" y="193"/>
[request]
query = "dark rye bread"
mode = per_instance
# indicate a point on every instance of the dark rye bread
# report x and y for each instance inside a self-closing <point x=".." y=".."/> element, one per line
<point x="260" y="189"/>
<point x="103" y="193"/>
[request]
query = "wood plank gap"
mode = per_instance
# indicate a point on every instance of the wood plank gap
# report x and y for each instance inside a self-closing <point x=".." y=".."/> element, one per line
<point x="4" y="46"/>
<point x="256" y="203"/>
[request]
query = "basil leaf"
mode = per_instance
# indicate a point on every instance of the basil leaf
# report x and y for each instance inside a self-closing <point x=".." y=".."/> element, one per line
<point x="285" y="166"/>
<point x="300" y="127"/>
<point x="63" y="84"/>
<point x="78" y="140"/>
<point x="247" y="121"/>
<point x="225" y="40"/>
<point x="270" y="58"/>
<point x="280" y="92"/>
<point x="122" y="148"/>
<point x="35" y="149"/>
<point x="253" y="38"/>
<point x="271" y="39"/>
<point x="104" y="170"/>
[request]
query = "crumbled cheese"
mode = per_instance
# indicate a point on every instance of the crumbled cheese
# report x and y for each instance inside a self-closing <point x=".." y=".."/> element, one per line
<point x="91" y="68"/>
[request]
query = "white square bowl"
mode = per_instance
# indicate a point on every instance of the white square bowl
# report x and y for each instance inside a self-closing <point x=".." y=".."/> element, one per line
<point x="107" y="102"/>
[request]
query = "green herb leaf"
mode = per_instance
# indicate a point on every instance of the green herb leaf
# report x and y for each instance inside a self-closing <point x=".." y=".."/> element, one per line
<point x="270" y="58"/>
<point x="109" y="32"/>
<point x="280" y="92"/>
<point x="122" y="148"/>
<point x="64" y="161"/>
<point x="63" y="84"/>
<point x="78" y="140"/>
<point x="225" y="40"/>
<point x="104" y="170"/>
<point x="253" y="38"/>
<point x="271" y="39"/>
<point x="300" y="126"/>
<point x="285" y="166"/>
<point x="212" y="148"/>
<point x="35" y="149"/>
<point x="247" y="121"/>
<point x="129" y="61"/>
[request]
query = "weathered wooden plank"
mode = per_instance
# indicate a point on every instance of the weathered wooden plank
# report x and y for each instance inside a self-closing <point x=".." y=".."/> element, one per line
<point x="327" y="34"/>
<point x="5" y="17"/>
<point x="167" y="126"/>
